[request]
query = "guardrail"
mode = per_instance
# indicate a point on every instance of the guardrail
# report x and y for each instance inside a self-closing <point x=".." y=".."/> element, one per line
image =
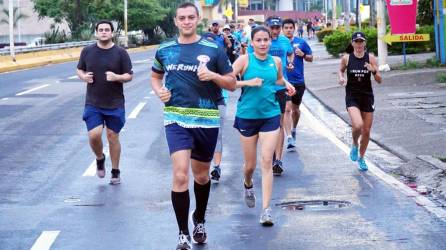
<point x="18" y="50"/>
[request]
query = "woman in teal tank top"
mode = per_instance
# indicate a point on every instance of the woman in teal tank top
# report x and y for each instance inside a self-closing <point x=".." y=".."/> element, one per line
<point x="258" y="115"/>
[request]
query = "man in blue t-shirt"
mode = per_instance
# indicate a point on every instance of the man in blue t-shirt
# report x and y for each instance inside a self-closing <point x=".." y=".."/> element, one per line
<point x="302" y="51"/>
<point x="280" y="47"/>
<point x="196" y="69"/>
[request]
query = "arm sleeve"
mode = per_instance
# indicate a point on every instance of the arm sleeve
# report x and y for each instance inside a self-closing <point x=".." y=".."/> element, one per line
<point x="307" y="49"/>
<point x="158" y="64"/>
<point x="126" y="63"/>
<point x="81" y="64"/>
<point x="223" y="63"/>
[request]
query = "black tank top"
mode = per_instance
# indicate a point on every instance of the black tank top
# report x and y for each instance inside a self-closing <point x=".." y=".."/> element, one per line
<point x="358" y="76"/>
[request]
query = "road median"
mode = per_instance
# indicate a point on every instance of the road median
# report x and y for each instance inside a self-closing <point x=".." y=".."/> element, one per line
<point x="42" y="58"/>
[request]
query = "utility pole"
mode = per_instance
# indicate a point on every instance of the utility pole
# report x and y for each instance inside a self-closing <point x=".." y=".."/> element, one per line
<point x="236" y="12"/>
<point x="372" y="13"/>
<point x="11" y="29"/>
<point x="382" y="46"/>
<point x="333" y="15"/>
<point x="347" y="15"/>
<point x="18" y="21"/>
<point x="357" y="14"/>
<point x="126" y="38"/>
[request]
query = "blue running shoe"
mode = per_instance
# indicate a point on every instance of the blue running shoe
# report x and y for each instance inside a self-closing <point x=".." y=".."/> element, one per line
<point x="354" y="153"/>
<point x="362" y="166"/>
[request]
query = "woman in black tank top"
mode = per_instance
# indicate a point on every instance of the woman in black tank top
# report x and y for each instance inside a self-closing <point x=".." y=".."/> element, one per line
<point x="359" y="99"/>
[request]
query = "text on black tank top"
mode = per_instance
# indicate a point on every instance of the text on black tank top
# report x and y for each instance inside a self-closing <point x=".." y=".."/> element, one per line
<point x="358" y="76"/>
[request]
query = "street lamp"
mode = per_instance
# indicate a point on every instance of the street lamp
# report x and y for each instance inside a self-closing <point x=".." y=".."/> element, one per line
<point x="11" y="30"/>
<point x="126" y="41"/>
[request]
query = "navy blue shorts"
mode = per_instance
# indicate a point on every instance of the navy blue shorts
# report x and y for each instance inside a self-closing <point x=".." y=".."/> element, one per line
<point x="365" y="103"/>
<point x="200" y="140"/>
<point x="250" y="127"/>
<point x="281" y="97"/>
<point x="113" y="119"/>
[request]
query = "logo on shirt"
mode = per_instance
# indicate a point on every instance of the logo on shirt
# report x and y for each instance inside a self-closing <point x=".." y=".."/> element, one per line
<point x="203" y="59"/>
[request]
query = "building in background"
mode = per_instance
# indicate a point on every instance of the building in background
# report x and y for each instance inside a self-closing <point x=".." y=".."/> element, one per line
<point x="27" y="29"/>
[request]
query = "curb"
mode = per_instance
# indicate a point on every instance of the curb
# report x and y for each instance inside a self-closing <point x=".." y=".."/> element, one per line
<point x="433" y="161"/>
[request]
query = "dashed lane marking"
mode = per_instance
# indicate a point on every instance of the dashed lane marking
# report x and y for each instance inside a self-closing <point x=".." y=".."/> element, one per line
<point x="33" y="89"/>
<point x="45" y="240"/>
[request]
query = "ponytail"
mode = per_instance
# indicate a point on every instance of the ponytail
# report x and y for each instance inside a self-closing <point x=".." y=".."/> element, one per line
<point x="349" y="49"/>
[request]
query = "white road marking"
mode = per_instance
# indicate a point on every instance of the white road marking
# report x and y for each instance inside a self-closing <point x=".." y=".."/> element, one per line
<point x="136" y="111"/>
<point x="143" y="61"/>
<point x="31" y="90"/>
<point x="73" y="77"/>
<point x="152" y="92"/>
<point x="4" y="99"/>
<point x="419" y="199"/>
<point x="147" y="97"/>
<point x="91" y="170"/>
<point x="45" y="240"/>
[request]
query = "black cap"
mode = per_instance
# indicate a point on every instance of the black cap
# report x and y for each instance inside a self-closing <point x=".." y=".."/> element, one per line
<point x="275" y="21"/>
<point x="358" y="35"/>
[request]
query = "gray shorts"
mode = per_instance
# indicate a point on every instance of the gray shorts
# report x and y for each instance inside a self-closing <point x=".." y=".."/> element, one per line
<point x="219" y="145"/>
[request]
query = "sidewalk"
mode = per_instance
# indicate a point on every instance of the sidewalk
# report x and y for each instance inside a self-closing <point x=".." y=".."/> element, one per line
<point x="41" y="58"/>
<point x="410" y="116"/>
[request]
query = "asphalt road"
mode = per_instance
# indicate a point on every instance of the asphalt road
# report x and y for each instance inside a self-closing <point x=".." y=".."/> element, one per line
<point x="48" y="199"/>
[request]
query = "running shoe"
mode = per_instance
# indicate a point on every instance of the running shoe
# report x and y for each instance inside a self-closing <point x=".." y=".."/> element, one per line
<point x="265" y="218"/>
<point x="354" y="153"/>
<point x="291" y="144"/>
<point x="115" y="178"/>
<point x="250" y="197"/>
<point x="277" y="167"/>
<point x="100" y="167"/>
<point x="199" y="233"/>
<point x="362" y="166"/>
<point x="184" y="242"/>
<point x="293" y="134"/>
<point x="215" y="174"/>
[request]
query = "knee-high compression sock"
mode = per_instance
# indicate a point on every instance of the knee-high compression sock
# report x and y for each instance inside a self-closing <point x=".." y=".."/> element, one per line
<point x="180" y="202"/>
<point x="201" y="199"/>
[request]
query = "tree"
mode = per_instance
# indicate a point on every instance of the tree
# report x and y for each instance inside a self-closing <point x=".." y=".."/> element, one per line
<point x="82" y="14"/>
<point x="425" y="12"/>
<point x="15" y="13"/>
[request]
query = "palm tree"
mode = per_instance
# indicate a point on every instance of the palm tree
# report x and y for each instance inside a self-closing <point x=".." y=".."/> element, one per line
<point x="15" y="14"/>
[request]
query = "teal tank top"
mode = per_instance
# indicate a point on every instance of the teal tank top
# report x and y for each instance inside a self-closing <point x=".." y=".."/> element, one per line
<point x="259" y="102"/>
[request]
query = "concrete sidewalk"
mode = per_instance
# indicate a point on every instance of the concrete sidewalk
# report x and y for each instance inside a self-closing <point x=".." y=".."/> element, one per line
<point x="41" y="58"/>
<point x="410" y="116"/>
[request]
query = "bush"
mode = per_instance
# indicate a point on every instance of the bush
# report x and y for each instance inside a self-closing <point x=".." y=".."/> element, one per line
<point x="55" y="36"/>
<point x="339" y="40"/>
<point x="323" y="33"/>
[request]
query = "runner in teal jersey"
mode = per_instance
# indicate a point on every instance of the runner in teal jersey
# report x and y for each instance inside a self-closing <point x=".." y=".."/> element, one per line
<point x="258" y="114"/>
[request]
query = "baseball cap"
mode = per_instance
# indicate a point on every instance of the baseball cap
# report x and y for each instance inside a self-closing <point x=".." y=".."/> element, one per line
<point x="226" y="27"/>
<point x="275" y="21"/>
<point x="358" y="35"/>
<point x="214" y="22"/>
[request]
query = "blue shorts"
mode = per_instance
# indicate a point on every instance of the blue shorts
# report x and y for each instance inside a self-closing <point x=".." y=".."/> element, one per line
<point x="200" y="140"/>
<point x="250" y="127"/>
<point x="113" y="119"/>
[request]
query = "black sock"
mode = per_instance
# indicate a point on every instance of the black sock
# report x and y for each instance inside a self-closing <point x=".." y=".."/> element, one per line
<point x="180" y="202"/>
<point x="274" y="157"/>
<point x="201" y="199"/>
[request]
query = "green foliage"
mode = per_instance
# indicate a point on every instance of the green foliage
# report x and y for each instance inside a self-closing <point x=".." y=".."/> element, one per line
<point x="409" y="65"/>
<point x="337" y="42"/>
<point x="323" y="33"/>
<point x="425" y="12"/>
<point x="441" y="77"/>
<point x="433" y="62"/>
<point x="142" y="14"/>
<point x="55" y="36"/>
